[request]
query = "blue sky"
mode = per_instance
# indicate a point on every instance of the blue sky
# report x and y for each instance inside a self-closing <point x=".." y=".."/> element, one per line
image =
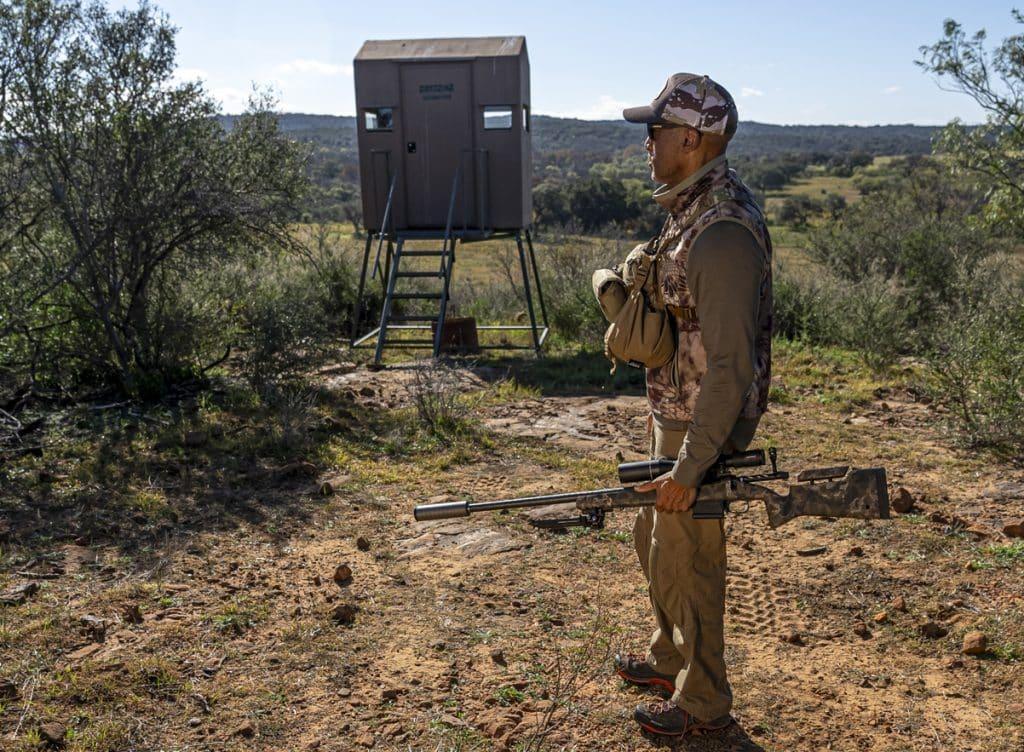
<point x="785" y="62"/>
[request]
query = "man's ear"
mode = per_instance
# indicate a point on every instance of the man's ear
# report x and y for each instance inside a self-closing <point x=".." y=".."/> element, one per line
<point x="691" y="139"/>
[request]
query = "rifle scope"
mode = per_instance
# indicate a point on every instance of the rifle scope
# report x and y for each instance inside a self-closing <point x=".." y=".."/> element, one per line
<point x="642" y="472"/>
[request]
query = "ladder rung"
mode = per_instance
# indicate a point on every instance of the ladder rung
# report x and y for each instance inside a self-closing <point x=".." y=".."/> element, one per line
<point x="415" y="296"/>
<point x="425" y="253"/>
<point x="418" y="274"/>
<point x="403" y="319"/>
<point x="409" y="342"/>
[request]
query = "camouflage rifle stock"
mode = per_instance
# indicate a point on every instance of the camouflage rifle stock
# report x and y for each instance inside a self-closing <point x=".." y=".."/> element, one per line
<point x="823" y="492"/>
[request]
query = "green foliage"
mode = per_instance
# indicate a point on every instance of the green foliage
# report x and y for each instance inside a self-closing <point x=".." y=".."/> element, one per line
<point x="797" y="211"/>
<point x="992" y="153"/>
<point x="977" y="369"/>
<point x="916" y="231"/>
<point x="123" y="189"/>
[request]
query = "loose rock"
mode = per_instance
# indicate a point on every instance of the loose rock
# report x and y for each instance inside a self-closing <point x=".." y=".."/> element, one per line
<point x="94" y="627"/>
<point x="392" y="693"/>
<point x="8" y="690"/>
<point x="880" y="618"/>
<point x="345" y="614"/>
<point x="343" y="575"/>
<point x="975" y="643"/>
<point x="53" y="733"/>
<point x="855" y="551"/>
<point x="901" y="500"/>
<point x="132" y="614"/>
<point x="932" y="630"/>
<point x="18" y="594"/>
<point x="793" y="638"/>
<point x="861" y="630"/>
<point x="245" y="729"/>
<point x="362" y="543"/>
<point x="813" y="551"/>
<point x="1014" y="529"/>
<point x="899" y="603"/>
<point x="498" y="656"/>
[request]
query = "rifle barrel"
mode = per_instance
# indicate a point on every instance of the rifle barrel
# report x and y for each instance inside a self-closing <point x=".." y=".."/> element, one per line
<point x="451" y="509"/>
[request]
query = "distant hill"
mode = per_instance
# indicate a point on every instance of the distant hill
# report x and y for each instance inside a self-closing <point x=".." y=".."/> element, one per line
<point x="604" y="140"/>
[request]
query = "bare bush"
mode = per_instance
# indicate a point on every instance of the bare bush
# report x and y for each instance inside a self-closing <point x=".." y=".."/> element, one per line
<point x="436" y="393"/>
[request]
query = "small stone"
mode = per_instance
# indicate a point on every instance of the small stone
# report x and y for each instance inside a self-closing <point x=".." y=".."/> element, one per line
<point x="901" y="500"/>
<point x="326" y="489"/>
<point x="362" y="543"/>
<point x="344" y="692"/>
<point x="861" y="630"/>
<point x="855" y="551"/>
<point x="18" y="594"/>
<point x="498" y="656"/>
<point x="317" y="581"/>
<point x="932" y="630"/>
<point x="392" y="693"/>
<point x="975" y="643"/>
<point x="343" y="575"/>
<point x="880" y="618"/>
<point x="899" y="603"/>
<point x="365" y="739"/>
<point x="8" y="690"/>
<point x="344" y="614"/>
<point x="85" y="652"/>
<point x="94" y="627"/>
<point x="812" y="551"/>
<point x="1014" y="529"/>
<point x="53" y="733"/>
<point x="953" y="662"/>
<point x="792" y="637"/>
<point x="196" y="438"/>
<point x="245" y="729"/>
<point x="193" y="722"/>
<point x="132" y="614"/>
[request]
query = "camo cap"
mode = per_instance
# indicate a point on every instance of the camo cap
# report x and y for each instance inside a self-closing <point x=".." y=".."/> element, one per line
<point x="689" y="99"/>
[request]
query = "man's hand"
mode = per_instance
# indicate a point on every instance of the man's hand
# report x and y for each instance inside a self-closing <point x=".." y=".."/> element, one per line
<point x="672" y="497"/>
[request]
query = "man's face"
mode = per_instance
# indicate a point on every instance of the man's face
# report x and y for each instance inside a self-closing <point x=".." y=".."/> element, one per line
<point x="669" y="152"/>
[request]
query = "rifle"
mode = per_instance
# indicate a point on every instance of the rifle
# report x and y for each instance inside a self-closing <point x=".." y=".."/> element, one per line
<point x="840" y="491"/>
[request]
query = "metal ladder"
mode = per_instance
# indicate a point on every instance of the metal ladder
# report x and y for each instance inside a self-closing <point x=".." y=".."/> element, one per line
<point x="446" y="259"/>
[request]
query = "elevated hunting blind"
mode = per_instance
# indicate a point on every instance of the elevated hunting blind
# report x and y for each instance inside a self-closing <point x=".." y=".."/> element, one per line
<point x="444" y="155"/>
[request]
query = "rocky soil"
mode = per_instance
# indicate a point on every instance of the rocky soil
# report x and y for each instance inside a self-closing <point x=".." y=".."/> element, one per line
<point x="310" y="611"/>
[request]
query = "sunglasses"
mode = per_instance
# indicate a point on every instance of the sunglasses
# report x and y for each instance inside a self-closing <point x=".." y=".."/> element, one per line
<point x="653" y="128"/>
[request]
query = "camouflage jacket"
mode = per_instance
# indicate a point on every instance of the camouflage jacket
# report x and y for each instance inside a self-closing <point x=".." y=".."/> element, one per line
<point x="716" y="195"/>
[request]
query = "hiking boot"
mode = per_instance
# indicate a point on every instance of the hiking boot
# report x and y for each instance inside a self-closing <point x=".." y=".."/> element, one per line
<point x="668" y="719"/>
<point x="636" y="670"/>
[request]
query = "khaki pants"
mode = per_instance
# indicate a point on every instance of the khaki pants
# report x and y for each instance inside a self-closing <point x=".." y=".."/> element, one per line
<point x="684" y="562"/>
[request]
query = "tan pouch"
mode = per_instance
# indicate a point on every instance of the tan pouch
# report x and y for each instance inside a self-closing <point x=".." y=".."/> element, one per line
<point x="641" y="335"/>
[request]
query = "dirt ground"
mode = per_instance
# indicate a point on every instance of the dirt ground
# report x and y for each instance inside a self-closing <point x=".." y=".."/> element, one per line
<point x="309" y="611"/>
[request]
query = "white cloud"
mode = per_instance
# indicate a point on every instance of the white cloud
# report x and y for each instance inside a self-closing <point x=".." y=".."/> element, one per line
<point x="232" y="100"/>
<point x="314" y="67"/>
<point x="606" y="108"/>
<point x="749" y="91"/>
<point x="892" y="89"/>
<point x="188" y="75"/>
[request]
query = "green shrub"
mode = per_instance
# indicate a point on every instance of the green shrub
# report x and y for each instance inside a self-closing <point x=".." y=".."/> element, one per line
<point x="977" y="370"/>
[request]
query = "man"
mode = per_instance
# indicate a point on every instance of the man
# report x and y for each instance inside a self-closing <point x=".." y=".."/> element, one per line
<point x="714" y="274"/>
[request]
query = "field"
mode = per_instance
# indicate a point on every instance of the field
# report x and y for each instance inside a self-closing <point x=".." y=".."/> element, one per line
<point x="215" y="577"/>
<point x="213" y="572"/>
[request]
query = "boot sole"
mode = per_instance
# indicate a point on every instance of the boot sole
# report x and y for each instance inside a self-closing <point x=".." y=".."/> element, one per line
<point x="662" y="684"/>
